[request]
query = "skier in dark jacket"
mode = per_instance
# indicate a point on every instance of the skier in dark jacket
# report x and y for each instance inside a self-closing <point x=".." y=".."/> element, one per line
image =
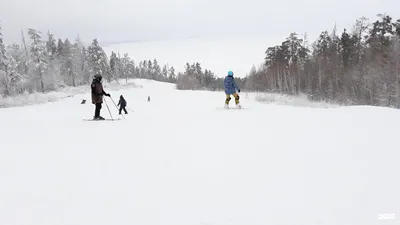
<point x="122" y="104"/>
<point x="97" y="96"/>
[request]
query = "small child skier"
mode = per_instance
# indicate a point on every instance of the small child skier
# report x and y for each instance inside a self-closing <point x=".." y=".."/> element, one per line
<point x="230" y="89"/>
<point x="122" y="104"/>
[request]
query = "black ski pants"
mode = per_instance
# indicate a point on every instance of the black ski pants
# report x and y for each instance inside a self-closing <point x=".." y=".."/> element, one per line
<point x="122" y="108"/>
<point x="97" y="110"/>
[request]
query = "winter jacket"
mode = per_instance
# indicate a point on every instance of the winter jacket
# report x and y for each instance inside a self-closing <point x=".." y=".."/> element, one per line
<point x="122" y="102"/>
<point x="230" y="85"/>
<point x="97" y="91"/>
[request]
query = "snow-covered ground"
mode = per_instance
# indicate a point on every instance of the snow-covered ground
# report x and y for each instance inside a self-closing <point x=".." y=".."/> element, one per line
<point x="67" y="92"/>
<point x="293" y="100"/>
<point x="180" y="160"/>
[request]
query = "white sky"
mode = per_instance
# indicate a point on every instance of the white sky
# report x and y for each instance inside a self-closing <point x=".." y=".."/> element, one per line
<point x="113" y="21"/>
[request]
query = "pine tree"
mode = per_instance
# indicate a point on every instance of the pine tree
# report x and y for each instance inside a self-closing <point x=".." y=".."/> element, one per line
<point x="143" y="69"/>
<point x="38" y="52"/>
<point x="171" y="75"/>
<point x="126" y="67"/>
<point x="51" y="46"/>
<point x="397" y="28"/>
<point x="3" y="57"/>
<point x="53" y="59"/>
<point x="13" y="79"/>
<point x="199" y="74"/>
<point x="150" y="72"/>
<point x="68" y="63"/>
<point x="347" y="52"/>
<point x="3" y="63"/>
<point x="18" y="53"/>
<point x="381" y="89"/>
<point x="208" y="80"/>
<point x="80" y="61"/>
<point x="60" y="46"/>
<point x="98" y="62"/>
<point x="113" y="63"/>
<point x="164" y="73"/>
<point x="132" y="68"/>
<point x="156" y="71"/>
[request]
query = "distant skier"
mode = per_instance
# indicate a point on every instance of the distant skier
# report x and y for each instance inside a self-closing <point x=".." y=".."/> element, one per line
<point x="97" y="96"/>
<point x="230" y="89"/>
<point x="148" y="98"/>
<point x="122" y="104"/>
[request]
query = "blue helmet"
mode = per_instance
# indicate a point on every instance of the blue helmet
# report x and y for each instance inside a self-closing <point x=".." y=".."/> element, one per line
<point x="230" y="73"/>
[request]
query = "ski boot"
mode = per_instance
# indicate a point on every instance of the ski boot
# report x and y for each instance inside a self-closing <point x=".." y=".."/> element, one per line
<point x="98" y="118"/>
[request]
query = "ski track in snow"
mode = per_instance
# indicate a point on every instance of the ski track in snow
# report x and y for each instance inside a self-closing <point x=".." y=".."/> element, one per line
<point x="178" y="160"/>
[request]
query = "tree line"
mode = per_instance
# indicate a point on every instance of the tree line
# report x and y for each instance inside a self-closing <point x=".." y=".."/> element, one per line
<point x="195" y="78"/>
<point x="43" y="63"/>
<point x="357" y="66"/>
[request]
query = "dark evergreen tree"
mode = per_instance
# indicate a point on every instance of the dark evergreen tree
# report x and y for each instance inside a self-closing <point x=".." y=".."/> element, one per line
<point x="171" y="75"/>
<point x="98" y="62"/>
<point x="39" y="61"/>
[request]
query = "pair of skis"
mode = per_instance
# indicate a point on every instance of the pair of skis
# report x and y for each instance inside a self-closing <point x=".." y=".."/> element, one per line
<point x="102" y="120"/>
<point x="234" y="108"/>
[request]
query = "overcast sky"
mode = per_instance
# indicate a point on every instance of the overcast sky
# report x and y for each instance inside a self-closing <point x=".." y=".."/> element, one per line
<point x="113" y="21"/>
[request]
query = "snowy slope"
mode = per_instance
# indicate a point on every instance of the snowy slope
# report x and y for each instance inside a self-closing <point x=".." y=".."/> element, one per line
<point x="178" y="160"/>
<point x="67" y="92"/>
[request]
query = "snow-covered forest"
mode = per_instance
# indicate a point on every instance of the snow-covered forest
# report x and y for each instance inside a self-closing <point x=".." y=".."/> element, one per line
<point x="43" y="63"/>
<point x="39" y="65"/>
<point x="356" y="66"/>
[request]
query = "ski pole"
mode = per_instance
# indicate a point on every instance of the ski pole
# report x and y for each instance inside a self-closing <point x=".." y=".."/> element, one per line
<point x="117" y="107"/>
<point x="108" y="108"/>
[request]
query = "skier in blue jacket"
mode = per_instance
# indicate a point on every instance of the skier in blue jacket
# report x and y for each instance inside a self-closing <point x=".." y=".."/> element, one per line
<point x="230" y="89"/>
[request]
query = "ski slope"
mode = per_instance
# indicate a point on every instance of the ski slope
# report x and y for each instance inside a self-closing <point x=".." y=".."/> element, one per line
<point x="178" y="160"/>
